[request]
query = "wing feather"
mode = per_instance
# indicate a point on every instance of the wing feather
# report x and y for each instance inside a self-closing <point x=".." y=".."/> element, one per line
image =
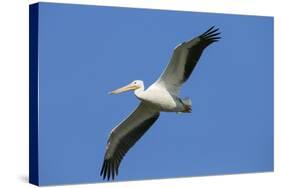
<point x="184" y="60"/>
<point x="124" y="136"/>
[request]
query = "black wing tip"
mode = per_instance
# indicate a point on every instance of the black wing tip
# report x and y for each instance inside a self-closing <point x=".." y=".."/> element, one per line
<point x="108" y="171"/>
<point x="211" y="35"/>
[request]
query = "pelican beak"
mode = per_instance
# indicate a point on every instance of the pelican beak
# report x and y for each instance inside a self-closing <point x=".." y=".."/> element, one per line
<point x="124" y="89"/>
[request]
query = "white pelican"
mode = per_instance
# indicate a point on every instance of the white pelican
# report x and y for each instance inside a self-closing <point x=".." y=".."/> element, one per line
<point x="162" y="95"/>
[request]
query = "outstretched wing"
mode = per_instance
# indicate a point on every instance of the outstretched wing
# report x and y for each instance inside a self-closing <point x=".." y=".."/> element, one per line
<point x="124" y="136"/>
<point x="184" y="59"/>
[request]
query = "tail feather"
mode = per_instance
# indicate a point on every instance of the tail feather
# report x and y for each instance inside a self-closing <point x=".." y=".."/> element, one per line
<point x="187" y="101"/>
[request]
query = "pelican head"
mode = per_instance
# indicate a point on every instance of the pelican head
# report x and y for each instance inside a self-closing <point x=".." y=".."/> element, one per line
<point x="136" y="84"/>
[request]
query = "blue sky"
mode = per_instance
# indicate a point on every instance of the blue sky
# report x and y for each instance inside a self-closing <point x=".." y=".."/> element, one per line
<point x="86" y="51"/>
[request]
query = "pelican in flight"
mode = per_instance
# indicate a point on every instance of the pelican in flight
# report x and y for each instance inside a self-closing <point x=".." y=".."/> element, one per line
<point x="162" y="95"/>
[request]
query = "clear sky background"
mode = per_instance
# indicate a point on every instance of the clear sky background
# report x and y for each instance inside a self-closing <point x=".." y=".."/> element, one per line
<point x="86" y="51"/>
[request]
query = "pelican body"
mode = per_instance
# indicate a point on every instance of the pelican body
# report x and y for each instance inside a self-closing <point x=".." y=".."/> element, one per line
<point x="157" y="97"/>
<point x="161" y="96"/>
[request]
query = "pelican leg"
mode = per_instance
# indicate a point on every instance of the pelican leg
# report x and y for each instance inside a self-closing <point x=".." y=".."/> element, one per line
<point x="187" y="109"/>
<point x="186" y="105"/>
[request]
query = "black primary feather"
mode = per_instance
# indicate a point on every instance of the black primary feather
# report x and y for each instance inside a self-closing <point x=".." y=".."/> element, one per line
<point x="110" y="165"/>
<point x="195" y="48"/>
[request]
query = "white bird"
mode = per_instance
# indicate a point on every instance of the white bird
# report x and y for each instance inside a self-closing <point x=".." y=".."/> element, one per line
<point x="162" y="95"/>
